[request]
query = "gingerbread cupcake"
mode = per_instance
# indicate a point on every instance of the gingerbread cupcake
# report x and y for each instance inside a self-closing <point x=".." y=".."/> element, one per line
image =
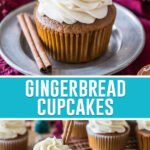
<point x="13" y="135"/>
<point x="75" y="31"/>
<point x="79" y="129"/>
<point x="143" y="134"/>
<point x="145" y="71"/>
<point x="108" y="134"/>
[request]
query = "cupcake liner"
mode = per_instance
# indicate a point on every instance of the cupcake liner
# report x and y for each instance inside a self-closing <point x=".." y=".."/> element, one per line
<point x="74" y="47"/>
<point x="143" y="139"/>
<point x="19" y="143"/>
<point x="79" y="129"/>
<point x="107" y="141"/>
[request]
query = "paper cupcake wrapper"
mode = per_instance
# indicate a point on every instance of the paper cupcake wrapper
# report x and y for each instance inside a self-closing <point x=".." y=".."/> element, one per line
<point x="107" y="142"/>
<point x="75" y="48"/>
<point x="143" y="140"/>
<point x="79" y="129"/>
<point x="15" y="144"/>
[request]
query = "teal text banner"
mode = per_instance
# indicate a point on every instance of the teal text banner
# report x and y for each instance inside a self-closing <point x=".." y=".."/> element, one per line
<point x="74" y="97"/>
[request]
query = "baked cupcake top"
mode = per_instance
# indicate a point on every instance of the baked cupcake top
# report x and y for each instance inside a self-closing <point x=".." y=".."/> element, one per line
<point x="108" y="126"/>
<point x="72" y="11"/>
<point x="143" y="124"/>
<point x="11" y="129"/>
<point x="51" y="144"/>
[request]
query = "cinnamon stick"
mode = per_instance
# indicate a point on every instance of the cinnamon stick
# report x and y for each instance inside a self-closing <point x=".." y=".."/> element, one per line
<point x="67" y="131"/>
<point x="38" y="43"/>
<point x="26" y="32"/>
<point x="34" y="42"/>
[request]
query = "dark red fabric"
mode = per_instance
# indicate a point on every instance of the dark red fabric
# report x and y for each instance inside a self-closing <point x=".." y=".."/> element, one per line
<point x="7" y="6"/>
<point x="142" y="10"/>
<point x="58" y="129"/>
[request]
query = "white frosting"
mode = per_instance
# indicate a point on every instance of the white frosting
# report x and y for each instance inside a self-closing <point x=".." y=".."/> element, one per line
<point x="51" y="144"/>
<point x="143" y="124"/>
<point x="72" y="11"/>
<point x="108" y="126"/>
<point x="11" y="129"/>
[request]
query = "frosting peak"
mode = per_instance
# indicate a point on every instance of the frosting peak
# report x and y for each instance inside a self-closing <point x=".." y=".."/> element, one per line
<point x="11" y="129"/>
<point x="72" y="11"/>
<point x="143" y="124"/>
<point x="51" y="144"/>
<point x="108" y="126"/>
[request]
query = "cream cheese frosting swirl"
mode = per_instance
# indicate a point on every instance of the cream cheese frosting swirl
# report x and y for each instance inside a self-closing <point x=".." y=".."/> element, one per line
<point x="108" y="126"/>
<point x="144" y="124"/>
<point x="11" y="129"/>
<point x="51" y="144"/>
<point x="72" y="11"/>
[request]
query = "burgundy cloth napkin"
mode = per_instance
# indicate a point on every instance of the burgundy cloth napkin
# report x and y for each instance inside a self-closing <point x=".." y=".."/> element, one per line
<point x="140" y="9"/>
<point x="7" y="6"/>
<point x="58" y="129"/>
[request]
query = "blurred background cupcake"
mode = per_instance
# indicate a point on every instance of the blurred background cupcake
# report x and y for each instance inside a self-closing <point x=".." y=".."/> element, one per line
<point x="79" y="129"/>
<point x="108" y="134"/>
<point x="75" y="31"/>
<point x="143" y="134"/>
<point x="13" y="135"/>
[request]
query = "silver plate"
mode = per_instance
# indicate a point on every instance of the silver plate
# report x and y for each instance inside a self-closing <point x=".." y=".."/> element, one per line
<point x="127" y="42"/>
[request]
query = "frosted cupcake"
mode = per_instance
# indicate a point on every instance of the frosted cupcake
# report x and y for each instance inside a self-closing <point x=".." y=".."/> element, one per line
<point x="143" y="134"/>
<point x="51" y="144"/>
<point x="75" y="31"/>
<point x="108" y="135"/>
<point x="13" y="135"/>
<point x="79" y="129"/>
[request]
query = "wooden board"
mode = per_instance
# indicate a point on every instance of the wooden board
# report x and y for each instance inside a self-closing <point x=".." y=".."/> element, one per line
<point x="78" y="144"/>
